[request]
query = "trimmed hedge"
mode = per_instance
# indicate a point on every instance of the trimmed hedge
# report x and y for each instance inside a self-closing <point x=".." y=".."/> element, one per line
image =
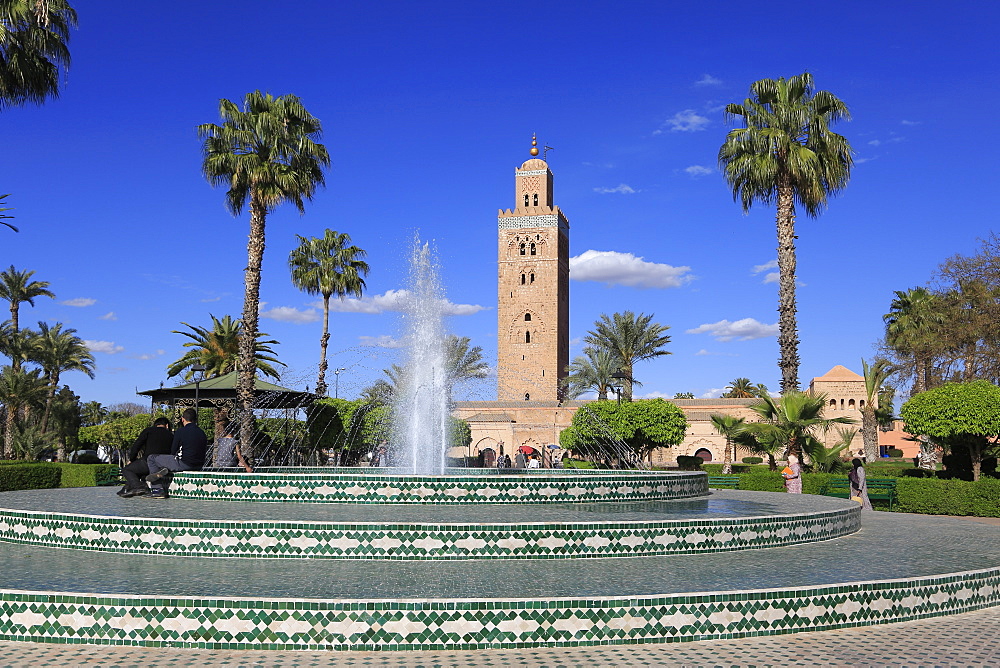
<point x="83" y="475"/>
<point x="29" y="475"/>
<point x="690" y="463"/>
<point x="753" y="460"/>
<point x="931" y="496"/>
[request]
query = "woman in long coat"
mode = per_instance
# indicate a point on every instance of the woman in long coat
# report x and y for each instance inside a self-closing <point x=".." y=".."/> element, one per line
<point x="859" y="484"/>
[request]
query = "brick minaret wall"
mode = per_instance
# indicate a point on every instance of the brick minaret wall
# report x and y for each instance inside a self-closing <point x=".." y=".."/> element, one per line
<point x="532" y="290"/>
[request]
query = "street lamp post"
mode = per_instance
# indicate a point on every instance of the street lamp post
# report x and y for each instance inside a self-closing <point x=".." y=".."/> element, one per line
<point x="620" y="376"/>
<point x="336" y="382"/>
<point x="199" y="375"/>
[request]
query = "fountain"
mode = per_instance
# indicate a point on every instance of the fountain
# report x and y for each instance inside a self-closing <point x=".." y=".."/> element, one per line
<point x="350" y="559"/>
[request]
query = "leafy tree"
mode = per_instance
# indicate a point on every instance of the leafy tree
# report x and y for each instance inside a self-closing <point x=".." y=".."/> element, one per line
<point x="120" y="432"/>
<point x="266" y="154"/>
<point x="786" y="154"/>
<point x="641" y="426"/>
<point x="60" y="350"/>
<point x="728" y="426"/>
<point x="20" y="392"/>
<point x="65" y="419"/>
<point x="591" y="372"/>
<point x="327" y="266"/>
<point x="828" y="460"/>
<point x="959" y="416"/>
<point x="631" y="338"/>
<point x="875" y="377"/>
<point x="17" y="288"/>
<point x="218" y="350"/>
<point x="791" y="420"/>
<point x="740" y="388"/>
<point x="34" y="55"/>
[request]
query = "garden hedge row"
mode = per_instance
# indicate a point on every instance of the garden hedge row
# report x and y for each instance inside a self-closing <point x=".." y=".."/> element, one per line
<point x="46" y="475"/>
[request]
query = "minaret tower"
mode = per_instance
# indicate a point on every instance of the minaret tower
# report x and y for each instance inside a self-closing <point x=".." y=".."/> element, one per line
<point x="533" y="289"/>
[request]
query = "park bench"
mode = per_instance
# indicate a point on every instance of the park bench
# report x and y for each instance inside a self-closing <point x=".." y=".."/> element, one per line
<point x="882" y="489"/>
<point x="109" y="477"/>
<point x="724" y="481"/>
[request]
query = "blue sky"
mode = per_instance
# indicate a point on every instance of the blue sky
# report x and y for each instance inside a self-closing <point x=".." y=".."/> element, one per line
<point x="428" y="108"/>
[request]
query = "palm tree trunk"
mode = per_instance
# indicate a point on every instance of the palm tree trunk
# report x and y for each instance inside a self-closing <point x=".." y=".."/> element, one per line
<point x="788" y="339"/>
<point x="920" y="381"/>
<point x="627" y="384"/>
<point x="323" y="340"/>
<point x="869" y="432"/>
<point x="247" y="363"/>
<point x="53" y="384"/>
<point x="727" y="457"/>
<point x="8" y="432"/>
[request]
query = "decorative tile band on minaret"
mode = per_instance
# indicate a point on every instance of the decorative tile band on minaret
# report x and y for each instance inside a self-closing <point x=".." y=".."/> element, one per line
<point x="532" y="289"/>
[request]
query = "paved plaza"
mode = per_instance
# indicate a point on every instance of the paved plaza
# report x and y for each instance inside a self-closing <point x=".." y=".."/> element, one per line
<point x="971" y="639"/>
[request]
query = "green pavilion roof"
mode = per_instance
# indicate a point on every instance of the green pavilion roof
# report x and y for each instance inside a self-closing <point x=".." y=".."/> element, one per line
<point x="266" y="395"/>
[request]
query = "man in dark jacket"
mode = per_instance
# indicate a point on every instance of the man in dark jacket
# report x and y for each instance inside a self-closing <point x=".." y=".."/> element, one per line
<point x="155" y="440"/>
<point x="187" y="453"/>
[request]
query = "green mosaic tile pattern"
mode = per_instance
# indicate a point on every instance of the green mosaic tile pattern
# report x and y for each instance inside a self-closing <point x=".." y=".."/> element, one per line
<point x="470" y="486"/>
<point x="311" y="540"/>
<point x="281" y="624"/>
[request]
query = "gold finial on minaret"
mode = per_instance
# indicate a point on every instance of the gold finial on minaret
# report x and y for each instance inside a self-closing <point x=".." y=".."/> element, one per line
<point x="534" y="145"/>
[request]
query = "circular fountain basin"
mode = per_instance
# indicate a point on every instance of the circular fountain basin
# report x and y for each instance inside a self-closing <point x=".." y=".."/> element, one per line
<point x="94" y="519"/>
<point x="378" y="485"/>
<point x="898" y="567"/>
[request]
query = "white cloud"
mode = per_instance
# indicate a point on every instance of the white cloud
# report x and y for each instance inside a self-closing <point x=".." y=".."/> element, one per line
<point x="622" y="188"/>
<point x="654" y="395"/>
<point x="906" y="122"/>
<point x="685" y="121"/>
<point x="770" y="277"/>
<point x="108" y="347"/>
<point x="703" y="352"/>
<point x="211" y="299"/>
<point x="80" y="301"/>
<point x="874" y="142"/>
<point x="615" y="268"/>
<point x="110" y="315"/>
<point x="861" y="161"/>
<point x="148" y="356"/>
<point x="384" y="341"/>
<point x="714" y="393"/>
<point x="291" y="314"/>
<point x="742" y="330"/>
<point x="394" y="300"/>
<point x="708" y="80"/>
<point x="698" y="170"/>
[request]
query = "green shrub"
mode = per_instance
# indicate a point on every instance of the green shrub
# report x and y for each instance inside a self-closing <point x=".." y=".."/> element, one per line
<point x="762" y="480"/>
<point x="576" y="463"/>
<point x="691" y="463"/>
<point x="83" y="475"/>
<point x="752" y="460"/>
<point x="933" y="496"/>
<point x="895" y="453"/>
<point x="29" y="475"/>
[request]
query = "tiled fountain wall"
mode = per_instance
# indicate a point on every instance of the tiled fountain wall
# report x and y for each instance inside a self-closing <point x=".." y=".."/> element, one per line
<point x="471" y="624"/>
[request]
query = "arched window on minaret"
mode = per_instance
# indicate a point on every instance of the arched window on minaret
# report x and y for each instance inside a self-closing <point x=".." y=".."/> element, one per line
<point x="527" y="337"/>
<point x="527" y="317"/>
<point x="536" y="199"/>
<point x="525" y="199"/>
<point x="522" y="248"/>
<point x="532" y="279"/>
<point x="532" y="247"/>
<point x="522" y="279"/>
<point x="527" y="397"/>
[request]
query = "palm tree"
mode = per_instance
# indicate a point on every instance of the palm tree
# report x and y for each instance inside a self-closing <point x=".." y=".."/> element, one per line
<point x="19" y="392"/>
<point x="463" y="362"/>
<point x="791" y="420"/>
<point x="266" y="154"/>
<point x="875" y="376"/>
<point x="730" y="427"/>
<point x="19" y="345"/>
<point x="58" y="351"/>
<point x="92" y="413"/>
<point x="33" y="49"/>
<point x="3" y="216"/>
<point x="327" y="266"/>
<point x="631" y="338"/>
<point x="910" y="330"/>
<point x="591" y="372"/>
<point x="786" y="154"/>
<point x="740" y="388"/>
<point x="18" y="288"/>
<point x="218" y="350"/>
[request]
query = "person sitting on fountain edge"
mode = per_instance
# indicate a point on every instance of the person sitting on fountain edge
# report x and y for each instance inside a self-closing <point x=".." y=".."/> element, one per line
<point x="155" y="440"/>
<point x="187" y="453"/>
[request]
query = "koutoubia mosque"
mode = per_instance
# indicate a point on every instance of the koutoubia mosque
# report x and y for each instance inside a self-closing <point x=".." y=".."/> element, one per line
<point x="533" y="343"/>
